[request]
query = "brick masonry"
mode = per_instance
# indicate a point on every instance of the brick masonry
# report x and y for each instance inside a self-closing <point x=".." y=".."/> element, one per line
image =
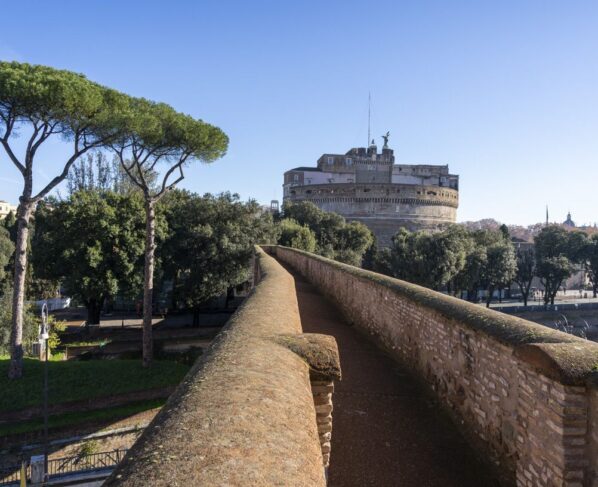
<point x="253" y="410"/>
<point x="523" y="394"/>
<point x="322" y="391"/>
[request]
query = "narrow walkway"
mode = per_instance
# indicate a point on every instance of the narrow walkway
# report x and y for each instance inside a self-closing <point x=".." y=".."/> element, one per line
<point x="385" y="430"/>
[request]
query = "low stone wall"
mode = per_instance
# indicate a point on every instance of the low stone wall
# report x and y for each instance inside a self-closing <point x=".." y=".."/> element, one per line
<point x="245" y="413"/>
<point x="525" y="395"/>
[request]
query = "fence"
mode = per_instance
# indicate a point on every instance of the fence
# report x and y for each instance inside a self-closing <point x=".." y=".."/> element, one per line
<point x="66" y="465"/>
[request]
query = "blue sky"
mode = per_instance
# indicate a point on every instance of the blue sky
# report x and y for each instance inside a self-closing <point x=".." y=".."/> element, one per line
<point x="506" y="92"/>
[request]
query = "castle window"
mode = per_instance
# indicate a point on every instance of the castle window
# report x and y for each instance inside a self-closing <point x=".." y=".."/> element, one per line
<point x="330" y="161"/>
<point x="295" y="177"/>
<point x="349" y="161"/>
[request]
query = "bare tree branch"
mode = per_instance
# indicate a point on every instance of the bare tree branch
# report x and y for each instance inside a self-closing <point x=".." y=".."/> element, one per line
<point x="48" y="130"/>
<point x="12" y="156"/>
<point x="58" y="179"/>
<point x="167" y="187"/>
<point x="128" y="170"/>
<point x="32" y="139"/>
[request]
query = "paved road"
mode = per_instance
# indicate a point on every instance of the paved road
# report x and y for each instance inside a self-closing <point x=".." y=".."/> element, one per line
<point x="386" y="431"/>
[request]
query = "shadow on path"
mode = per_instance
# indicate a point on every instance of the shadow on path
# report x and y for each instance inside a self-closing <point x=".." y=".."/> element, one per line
<point x="385" y="431"/>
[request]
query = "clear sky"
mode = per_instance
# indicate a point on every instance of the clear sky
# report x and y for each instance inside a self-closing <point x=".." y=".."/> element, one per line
<point x="505" y="92"/>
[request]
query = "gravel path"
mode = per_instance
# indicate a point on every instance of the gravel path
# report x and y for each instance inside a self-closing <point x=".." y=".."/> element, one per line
<point x="386" y="430"/>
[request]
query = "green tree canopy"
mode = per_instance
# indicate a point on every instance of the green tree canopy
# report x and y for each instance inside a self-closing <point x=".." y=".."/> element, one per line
<point x="526" y="271"/>
<point x="39" y="103"/>
<point x="556" y="251"/>
<point x="92" y="242"/>
<point x="31" y="324"/>
<point x="591" y="261"/>
<point x="7" y="248"/>
<point x="210" y="243"/>
<point x="431" y="260"/>
<point x="157" y="137"/>
<point x="352" y="240"/>
<point x="500" y="268"/>
<point x="335" y="238"/>
<point x="297" y="236"/>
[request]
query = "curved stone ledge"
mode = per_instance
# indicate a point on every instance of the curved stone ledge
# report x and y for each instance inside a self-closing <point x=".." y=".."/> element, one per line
<point x="505" y="328"/>
<point x="320" y="352"/>
<point x="576" y="363"/>
<point x="524" y="394"/>
<point x="572" y="363"/>
<point x="244" y="414"/>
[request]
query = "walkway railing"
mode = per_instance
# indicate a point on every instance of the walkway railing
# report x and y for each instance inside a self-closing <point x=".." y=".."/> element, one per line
<point x="66" y="465"/>
<point x="94" y="461"/>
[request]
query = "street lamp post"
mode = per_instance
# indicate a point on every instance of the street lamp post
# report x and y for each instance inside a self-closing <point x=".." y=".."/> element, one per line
<point x="43" y="339"/>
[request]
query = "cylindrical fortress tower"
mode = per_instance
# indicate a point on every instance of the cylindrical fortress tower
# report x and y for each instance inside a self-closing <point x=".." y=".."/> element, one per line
<point x="366" y="186"/>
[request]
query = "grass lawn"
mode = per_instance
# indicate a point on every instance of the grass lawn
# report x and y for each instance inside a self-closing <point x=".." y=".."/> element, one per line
<point x="73" y="419"/>
<point x="77" y="380"/>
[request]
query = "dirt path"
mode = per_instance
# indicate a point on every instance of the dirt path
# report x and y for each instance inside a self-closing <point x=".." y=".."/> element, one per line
<point x="386" y="431"/>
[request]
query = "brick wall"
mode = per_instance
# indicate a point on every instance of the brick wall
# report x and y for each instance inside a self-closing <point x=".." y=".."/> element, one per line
<point x="522" y="393"/>
<point x="253" y="410"/>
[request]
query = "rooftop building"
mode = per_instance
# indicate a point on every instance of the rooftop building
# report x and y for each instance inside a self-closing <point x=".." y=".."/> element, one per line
<point x="366" y="185"/>
<point x="6" y="208"/>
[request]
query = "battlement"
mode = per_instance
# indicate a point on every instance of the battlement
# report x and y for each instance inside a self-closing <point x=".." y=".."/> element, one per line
<point x="338" y="181"/>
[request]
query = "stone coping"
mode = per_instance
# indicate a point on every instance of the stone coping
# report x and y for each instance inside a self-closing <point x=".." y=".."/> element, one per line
<point x="244" y="414"/>
<point x="567" y="358"/>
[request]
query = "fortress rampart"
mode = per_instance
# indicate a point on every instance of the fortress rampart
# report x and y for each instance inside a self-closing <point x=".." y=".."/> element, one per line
<point x="254" y="410"/>
<point x="525" y="395"/>
<point x="385" y="208"/>
<point x="368" y="186"/>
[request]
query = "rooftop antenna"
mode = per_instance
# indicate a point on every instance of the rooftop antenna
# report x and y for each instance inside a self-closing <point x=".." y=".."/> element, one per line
<point x="369" y="116"/>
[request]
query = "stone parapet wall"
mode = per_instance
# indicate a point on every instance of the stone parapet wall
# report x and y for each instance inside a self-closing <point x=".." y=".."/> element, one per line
<point x="384" y="208"/>
<point x="251" y="410"/>
<point x="523" y="394"/>
<point x="391" y="193"/>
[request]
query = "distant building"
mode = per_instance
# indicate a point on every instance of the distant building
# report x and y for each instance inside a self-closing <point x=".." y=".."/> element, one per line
<point x="568" y="222"/>
<point x="6" y="208"/>
<point x="367" y="186"/>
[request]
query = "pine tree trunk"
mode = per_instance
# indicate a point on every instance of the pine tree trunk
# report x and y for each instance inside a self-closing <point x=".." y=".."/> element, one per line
<point x="24" y="213"/>
<point x="489" y="297"/>
<point x="94" y="311"/>
<point x="173" y="297"/>
<point x="148" y="282"/>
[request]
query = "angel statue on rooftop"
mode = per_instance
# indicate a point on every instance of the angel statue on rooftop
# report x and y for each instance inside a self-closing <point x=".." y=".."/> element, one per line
<point x="385" y="137"/>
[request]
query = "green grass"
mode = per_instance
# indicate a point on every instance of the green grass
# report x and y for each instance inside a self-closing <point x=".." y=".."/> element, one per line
<point x="74" y="419"/>
<point x="78" y="380"/>
<point x="89" y="343"/>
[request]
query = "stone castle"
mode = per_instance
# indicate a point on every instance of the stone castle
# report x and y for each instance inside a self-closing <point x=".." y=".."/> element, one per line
<point x="367" y="186"/>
